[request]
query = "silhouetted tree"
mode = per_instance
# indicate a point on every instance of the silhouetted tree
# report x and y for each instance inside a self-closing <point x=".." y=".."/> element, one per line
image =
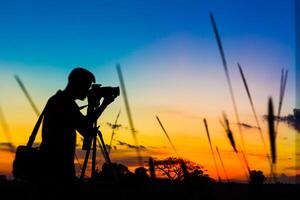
<point x="178" y="169"/>
<point x="257" y="177"/>
<point x="141" y="174"/>
<point x="119" y="170"/>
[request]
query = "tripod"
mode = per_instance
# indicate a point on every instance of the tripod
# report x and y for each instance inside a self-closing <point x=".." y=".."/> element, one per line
<point x="93" y="139"/>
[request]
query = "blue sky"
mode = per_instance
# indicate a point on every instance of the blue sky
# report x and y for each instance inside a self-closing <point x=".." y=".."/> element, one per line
<point x="42" y="41"/>
<point x="68" y="33"/>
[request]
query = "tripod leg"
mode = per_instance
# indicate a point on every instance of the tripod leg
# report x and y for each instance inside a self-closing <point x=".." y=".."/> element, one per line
<point x="86" y="158"/>
<point x="104" y="148"/>
<point x="101" y="148"/>
<point x="94" y="157"/>
<point x="114" y="174"/>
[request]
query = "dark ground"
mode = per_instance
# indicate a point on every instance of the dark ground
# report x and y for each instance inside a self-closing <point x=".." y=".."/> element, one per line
<point x="161" y="189"/>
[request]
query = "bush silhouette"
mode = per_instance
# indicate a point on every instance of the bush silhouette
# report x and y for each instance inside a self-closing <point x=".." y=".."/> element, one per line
<point x="257" y="177"/>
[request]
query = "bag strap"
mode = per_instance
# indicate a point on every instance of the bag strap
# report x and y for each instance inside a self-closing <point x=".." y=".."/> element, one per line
<point x="35" y="129"/>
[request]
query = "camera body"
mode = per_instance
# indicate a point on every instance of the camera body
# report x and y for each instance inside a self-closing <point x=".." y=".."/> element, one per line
<point x="97" y="92"/>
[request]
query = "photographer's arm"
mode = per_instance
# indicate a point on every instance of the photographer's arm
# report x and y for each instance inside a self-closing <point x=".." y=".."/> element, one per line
<point x="85" y="123"/>
<point x="94" y="115"/>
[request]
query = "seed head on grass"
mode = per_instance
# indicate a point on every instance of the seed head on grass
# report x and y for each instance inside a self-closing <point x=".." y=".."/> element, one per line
<point x="233" y="144"/>
<point x="272" y="134"/>
<point x="229" y="133"/>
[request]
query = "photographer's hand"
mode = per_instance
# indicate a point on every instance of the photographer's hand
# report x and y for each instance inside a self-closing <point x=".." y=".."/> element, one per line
<point x="107" y="101"/>
<point x="92" y="102"/>
<point x="93" y="115"/>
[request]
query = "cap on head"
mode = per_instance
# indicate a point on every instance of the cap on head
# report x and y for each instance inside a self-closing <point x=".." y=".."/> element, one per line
<point x="79" y="75"/>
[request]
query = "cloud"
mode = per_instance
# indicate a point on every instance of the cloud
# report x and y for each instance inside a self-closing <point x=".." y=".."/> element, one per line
<point x="7" y="146"/>
<point x="130" y="161"/>
<point x="142" y="147"/>
<point x="264" y="156"/>
<point x="290" y="120"/>
<point x="125" y="157"/>
<point x="247" y="125"/>
<point x="283" y="178"/>
<point x="296" y="167"/>
<point x="258" y="155"/>
<point x="115" y="126"/>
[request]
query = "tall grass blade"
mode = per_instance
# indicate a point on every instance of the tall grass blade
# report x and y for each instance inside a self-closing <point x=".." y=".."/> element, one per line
<point x="254" y="112"/>
<point x="222" y="163"/>
<point x="217" y="36"/>
<point x="211" y="148"/>
<point x="133" y="131"/>
<point x="284" y="76"/>
<point x="22" y="86"/>
<point x="281" y="83"/>
<point x="6" y="131"/>
<point x="167" y="135"/>
<point x="246" y="162"/>
<point x="113" y="131"/>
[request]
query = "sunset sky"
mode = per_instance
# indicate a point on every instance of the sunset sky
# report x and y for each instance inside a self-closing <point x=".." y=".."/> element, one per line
<point x="171" y="66"/>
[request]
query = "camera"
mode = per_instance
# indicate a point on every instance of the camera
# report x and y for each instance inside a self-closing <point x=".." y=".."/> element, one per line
<point x="97" y="92"/>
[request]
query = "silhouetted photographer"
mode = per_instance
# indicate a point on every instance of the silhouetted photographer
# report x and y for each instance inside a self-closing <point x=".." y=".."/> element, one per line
<point x="62" y="117"/>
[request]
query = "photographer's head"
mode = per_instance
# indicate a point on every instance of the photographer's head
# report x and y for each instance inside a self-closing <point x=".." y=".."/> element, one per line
<point x="79" y="83"/>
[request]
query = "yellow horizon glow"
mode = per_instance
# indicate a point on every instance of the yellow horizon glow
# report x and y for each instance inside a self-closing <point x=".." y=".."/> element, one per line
<point x="192" y="143"/>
